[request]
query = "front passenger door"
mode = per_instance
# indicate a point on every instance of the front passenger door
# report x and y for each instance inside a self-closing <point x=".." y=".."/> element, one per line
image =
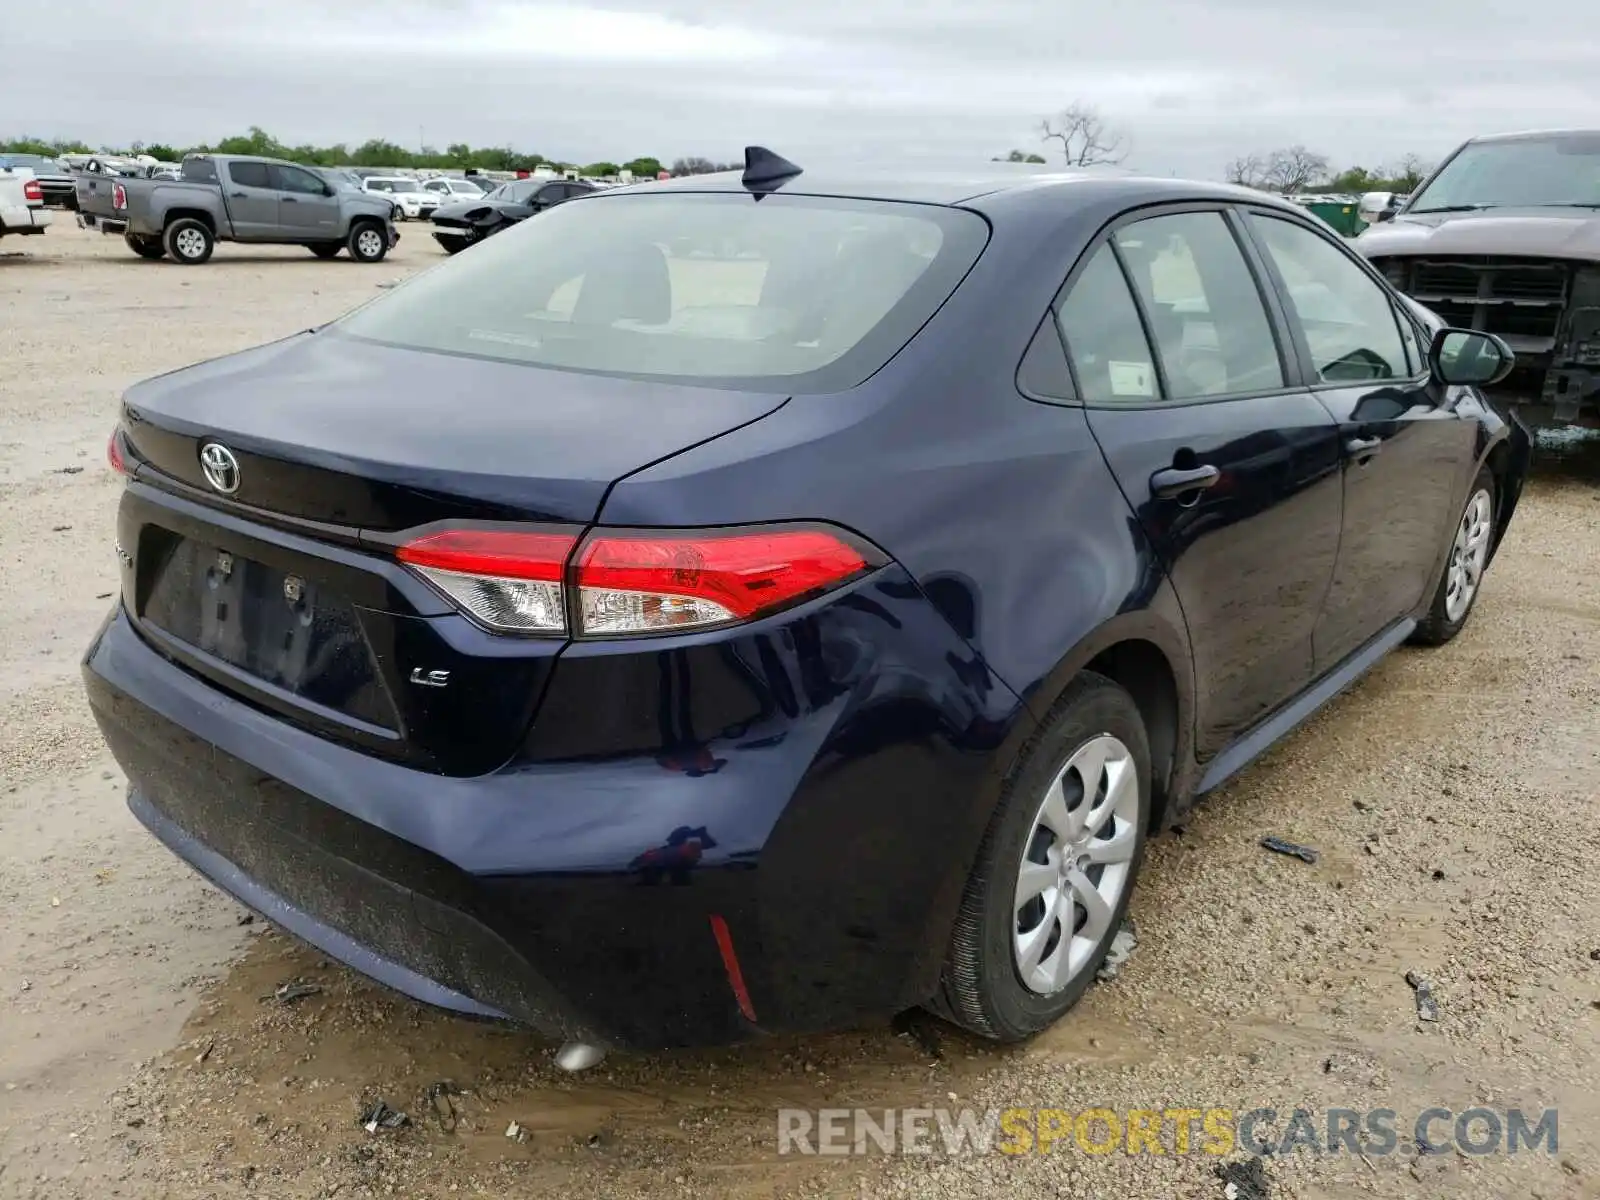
<point x="305" y="209"/>
<point x="1230" y="465"/>
<point x="1405" y="449"/>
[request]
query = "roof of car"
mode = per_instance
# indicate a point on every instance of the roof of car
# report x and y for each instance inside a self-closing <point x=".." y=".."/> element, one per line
<point x="1530" y="134"/>
<point x="991" y="182"/>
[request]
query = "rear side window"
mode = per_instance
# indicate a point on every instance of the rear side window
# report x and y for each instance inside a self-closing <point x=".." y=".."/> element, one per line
<point x="794" y="293"/>
<point x="1348" y="319"/>
<point x="1205" y="311"/>
<point x="1104" y="336"/>
<point x="250" y="174"/>
<point x="199" y="170"/>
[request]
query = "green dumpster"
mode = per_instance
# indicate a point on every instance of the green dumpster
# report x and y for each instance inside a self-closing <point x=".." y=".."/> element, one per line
<point x="1340" y="214"/>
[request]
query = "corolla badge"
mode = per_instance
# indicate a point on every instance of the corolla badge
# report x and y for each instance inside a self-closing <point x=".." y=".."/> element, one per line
<point x="220" y="466"/>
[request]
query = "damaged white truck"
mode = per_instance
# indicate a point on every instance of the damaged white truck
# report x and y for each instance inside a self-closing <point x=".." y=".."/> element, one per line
<point x="1505" y="237"/>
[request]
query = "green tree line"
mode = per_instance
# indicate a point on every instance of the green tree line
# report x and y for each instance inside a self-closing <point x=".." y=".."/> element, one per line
<point x="1292" y="169"/>
<point x="377" y="152"/>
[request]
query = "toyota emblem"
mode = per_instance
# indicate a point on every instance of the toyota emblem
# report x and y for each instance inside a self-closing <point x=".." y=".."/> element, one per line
<point x="220" y="466"/>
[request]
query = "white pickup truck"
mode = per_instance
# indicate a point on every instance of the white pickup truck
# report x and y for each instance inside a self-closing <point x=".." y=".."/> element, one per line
<point x="22" y="207"/>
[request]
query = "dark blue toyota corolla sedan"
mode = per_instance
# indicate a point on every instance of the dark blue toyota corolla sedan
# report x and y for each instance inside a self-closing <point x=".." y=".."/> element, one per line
<point x="816" y="593"/>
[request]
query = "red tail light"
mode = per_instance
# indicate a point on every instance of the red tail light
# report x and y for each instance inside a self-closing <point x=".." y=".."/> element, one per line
<point x="643" y="581"/>
<point x="114" y="455"/>
<point x="119" y="196"/>
<point x="506" y="578"/>
<point x="632" y="581"/>
<point x="32" y="191"/>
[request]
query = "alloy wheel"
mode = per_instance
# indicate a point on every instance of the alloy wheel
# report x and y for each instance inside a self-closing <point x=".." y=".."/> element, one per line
<point x="1076" y="864"/>
<point x="1468" y="555"/>
<point x="190" y="243"/>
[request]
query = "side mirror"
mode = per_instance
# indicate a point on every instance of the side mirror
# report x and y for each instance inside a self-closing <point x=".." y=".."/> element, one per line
<point x="1468" y="357"/>
<point x="1375" y="207"/>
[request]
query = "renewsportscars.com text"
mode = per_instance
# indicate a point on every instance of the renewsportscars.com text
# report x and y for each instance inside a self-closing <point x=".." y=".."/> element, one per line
<point x="1215" y="1131"/>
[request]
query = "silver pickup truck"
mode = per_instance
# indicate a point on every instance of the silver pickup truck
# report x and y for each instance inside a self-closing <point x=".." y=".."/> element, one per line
<point x="1505" y="237"/>
<point x="228" y="198"/>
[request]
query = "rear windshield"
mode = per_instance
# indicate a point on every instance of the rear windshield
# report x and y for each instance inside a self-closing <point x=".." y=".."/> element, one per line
<point x="791" y="293"/>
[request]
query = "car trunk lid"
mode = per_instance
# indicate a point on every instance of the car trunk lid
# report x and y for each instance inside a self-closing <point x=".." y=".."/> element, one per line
<point x="286" y="591"/>
<point x="331" y="429"/>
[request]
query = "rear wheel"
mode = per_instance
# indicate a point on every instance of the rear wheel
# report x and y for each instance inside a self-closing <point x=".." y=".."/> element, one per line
<point x="1472" y="537"/>
<point x="330" y="250"/>
<point x="1056" y="869"/>
<point x="188" y="241"/>
<point x="367" y="242"/>
<point x="143" y="246"/>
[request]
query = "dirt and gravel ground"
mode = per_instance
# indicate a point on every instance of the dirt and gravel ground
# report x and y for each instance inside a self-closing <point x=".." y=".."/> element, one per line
<point x="1454" y="796"/>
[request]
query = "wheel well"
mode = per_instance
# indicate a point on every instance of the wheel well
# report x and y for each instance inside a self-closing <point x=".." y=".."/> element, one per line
<point x="199" y="214"/>
<point x="1142" y="670"/>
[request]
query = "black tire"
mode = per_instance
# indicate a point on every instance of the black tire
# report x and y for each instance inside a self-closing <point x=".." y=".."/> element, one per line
<point x="145" y="247"/>
<point x="327" y="250"/>
<point x="452" y="245"/>
<point x="1439" y="625"/>
<point x="981" y="988"/>
<point x="368" y="241"/>
<point x="188" y="241"/>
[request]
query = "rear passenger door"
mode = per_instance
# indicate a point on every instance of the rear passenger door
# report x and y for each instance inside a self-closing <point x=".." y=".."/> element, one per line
<point x="1405" y="448"/>
<point x="1229" y="462"/>
<point x="252" y="200"/>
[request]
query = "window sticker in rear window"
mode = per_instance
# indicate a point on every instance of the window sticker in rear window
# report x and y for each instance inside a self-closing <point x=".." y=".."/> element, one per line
<point x="1132" y="379"/>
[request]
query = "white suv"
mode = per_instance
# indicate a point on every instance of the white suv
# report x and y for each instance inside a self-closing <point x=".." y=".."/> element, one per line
<point x="411" y="199"/>
<point x="450" y="191"/>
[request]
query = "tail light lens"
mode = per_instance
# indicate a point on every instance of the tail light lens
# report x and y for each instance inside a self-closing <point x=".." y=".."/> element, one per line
<point x="114" y="454"/>
<point x="32" y="191"/>
<point x="507" y="579"/>
<point x="643" y="581"/>
<point x="621" y="582"/>
<point x="119" y="196"/>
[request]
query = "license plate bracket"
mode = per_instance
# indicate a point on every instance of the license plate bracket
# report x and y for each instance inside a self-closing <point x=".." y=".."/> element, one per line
<point x="283" y="628"/>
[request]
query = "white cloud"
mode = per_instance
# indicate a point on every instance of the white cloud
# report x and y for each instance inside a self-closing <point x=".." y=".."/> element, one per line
<point x="1192" y="84"/>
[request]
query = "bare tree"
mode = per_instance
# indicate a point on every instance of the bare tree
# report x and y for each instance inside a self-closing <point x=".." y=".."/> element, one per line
<point x="1409" y="172"/>
<point x="694" y="165"/>
<point x="1086" y="140"/>
<point x="1246" y="170"/>
<point x="1290" y="169"/>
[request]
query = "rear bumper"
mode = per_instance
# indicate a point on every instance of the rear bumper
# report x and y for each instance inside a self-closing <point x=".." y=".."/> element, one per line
<point x="24" y="218"/>
<point x="103" y="224"/>
<point x="572" y="894"/>
<point x="230" y="878"/>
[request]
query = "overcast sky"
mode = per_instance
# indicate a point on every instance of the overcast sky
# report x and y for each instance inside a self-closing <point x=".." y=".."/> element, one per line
<point x="1192" y="82"/>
